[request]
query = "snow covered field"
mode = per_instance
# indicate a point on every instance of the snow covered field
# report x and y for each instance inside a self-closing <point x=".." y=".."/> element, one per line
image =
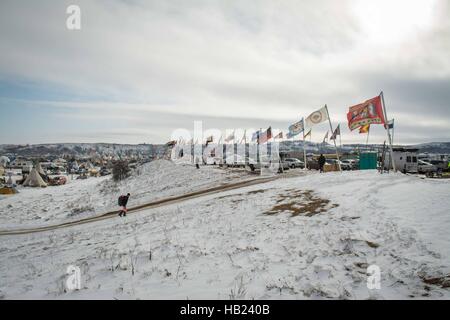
<point x="309" y="237"/>
<point x="94" y="196"/>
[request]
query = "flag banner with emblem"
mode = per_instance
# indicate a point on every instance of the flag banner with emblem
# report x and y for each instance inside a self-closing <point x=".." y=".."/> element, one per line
<point x="337" y="132"/>
<point x="308" y="134"/>
<point x="279" y="136"/>
<point x="230" y="137"/>
<point x="296" y="128"/>
<point x="316" y="117"/>
<point x="368" y="112"/>
<point x="325" y="138"/>
<point x="255" y="135"/>
<point x="265" y="136"/>
<point x="364" y="129"/>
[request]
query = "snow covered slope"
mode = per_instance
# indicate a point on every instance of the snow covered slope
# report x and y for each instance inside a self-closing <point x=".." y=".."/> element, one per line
<point x="94" y="196"/>
<point x="310" y="237"/>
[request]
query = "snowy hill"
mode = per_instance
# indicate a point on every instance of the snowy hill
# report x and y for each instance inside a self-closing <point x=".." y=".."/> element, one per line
<point x="309" y="237"/>
<point x="95" y="196"/>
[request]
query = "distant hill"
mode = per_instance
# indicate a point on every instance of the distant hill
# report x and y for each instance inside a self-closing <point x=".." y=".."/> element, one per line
<point x="157" y="150"/>
<point x="82" y="150"/>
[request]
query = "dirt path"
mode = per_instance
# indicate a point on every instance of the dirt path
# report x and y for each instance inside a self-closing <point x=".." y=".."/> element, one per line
<point x="150" y="205"/>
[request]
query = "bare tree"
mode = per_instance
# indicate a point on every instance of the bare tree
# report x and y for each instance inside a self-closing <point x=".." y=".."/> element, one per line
<point x="120" y="170"/>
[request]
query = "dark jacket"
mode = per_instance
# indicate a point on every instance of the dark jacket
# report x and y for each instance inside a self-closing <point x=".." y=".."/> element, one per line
<point x="124" y="200"/>
<point x="321" y="161"/>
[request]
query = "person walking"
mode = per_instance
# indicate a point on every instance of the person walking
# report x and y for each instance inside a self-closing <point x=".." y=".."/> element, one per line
<point x="321" y="162"/>
<point x="123" y="200"/>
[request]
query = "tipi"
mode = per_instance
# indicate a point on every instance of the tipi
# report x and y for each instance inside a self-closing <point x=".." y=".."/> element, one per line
<point x="34" y="180"/>
<point x="40" y="170"/>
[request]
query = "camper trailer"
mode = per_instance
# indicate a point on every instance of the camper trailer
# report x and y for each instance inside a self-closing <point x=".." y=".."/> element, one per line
<point x="405" y="160"/>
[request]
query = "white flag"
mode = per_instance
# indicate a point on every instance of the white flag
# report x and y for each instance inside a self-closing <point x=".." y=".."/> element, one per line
<point x="317" y="117"/>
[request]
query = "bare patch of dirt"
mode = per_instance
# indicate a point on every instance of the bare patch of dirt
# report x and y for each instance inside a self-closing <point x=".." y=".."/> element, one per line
<point x="241" y="195"/>
<point x="256" y="191"/>
<point x="443" y="282"/>
<point x="301" y="202"/>
<point x="372" y="244"/>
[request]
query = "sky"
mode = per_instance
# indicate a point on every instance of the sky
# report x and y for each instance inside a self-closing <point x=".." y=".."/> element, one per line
<point x="139" y="70"/>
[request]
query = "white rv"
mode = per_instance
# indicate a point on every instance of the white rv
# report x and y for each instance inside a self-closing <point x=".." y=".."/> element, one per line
<point x="405" y="160"/>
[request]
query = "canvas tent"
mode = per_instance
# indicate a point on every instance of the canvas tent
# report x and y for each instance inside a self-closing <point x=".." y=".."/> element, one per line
<point x="40" y="170"/>
<point x="34" y="180"/>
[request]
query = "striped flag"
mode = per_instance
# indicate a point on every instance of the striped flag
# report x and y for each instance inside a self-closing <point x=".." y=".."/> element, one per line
<point x="265" y="136"/>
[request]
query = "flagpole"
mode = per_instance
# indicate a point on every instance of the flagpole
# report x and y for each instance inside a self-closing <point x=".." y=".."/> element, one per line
<point x="388" y="132"/>
<point x="335" y="146"/>
<point x="393" y="129"/>
<point x="367" y="141"/>
<point x="304" y="146"/>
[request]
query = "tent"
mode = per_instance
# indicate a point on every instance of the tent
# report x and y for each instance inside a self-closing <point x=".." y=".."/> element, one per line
<point x="34" y="180"/>
<point x="40" y="170"/>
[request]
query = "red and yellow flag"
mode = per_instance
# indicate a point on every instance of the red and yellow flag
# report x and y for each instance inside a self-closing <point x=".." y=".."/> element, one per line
<point x="366" y="113"/>
<point x="364" y="129"/>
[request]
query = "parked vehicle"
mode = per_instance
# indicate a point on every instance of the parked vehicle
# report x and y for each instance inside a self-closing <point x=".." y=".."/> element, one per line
<point x="104" y="172"/>
<point x="439" y="164"/>
<point x="349" y="164"/>
<point x="57" y="181"/>
<point x="405" y="160"/>
<point x="426" y="167"/>
<point x="294" y="163"/>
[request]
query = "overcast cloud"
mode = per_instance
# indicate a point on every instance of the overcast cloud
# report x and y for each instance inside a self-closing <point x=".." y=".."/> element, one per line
<point x="137" y="70"/>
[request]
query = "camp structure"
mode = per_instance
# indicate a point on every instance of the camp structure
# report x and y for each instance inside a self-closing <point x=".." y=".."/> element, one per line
<point x="40" y="170"/>
<point x="8" y="190"/>
<point x="34" y="180"/>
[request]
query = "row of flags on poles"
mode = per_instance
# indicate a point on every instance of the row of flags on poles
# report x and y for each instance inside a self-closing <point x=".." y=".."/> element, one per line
<point x="360" y="116"/>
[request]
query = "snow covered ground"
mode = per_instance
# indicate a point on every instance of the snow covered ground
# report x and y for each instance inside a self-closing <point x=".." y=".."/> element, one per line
<point x="85" y="198"/>
<point x="309" y="237"/>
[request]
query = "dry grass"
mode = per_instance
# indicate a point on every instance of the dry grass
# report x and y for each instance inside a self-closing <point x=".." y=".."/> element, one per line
<point x="301" y="202"/>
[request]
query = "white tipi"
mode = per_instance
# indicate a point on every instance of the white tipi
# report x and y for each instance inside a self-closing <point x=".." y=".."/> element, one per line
<point x="34" y="180"/>
<point x="40" y="170"/>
